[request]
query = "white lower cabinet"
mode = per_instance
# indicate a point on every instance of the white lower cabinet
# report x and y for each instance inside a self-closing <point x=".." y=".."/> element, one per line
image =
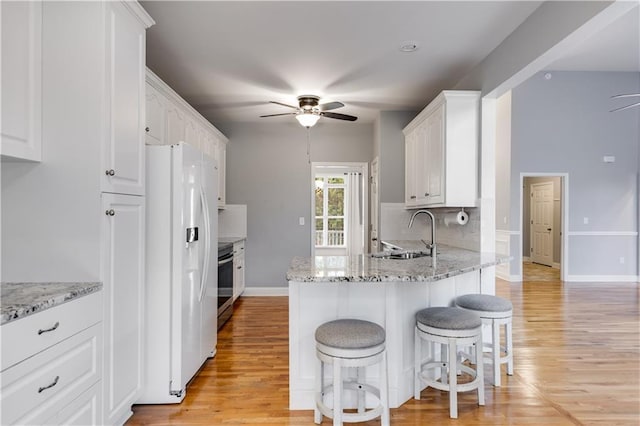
<point x="39" y="388"/>
<point x="84" y="410"/>
<point x="123" y="281"/>
<point x="238" y="269"/>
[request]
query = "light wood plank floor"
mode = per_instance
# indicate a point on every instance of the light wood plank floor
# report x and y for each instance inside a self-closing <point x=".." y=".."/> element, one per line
<point x="577" y="355"/>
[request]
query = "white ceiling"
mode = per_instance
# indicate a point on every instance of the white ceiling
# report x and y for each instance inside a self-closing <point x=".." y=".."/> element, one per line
<point x="228" y="59"/>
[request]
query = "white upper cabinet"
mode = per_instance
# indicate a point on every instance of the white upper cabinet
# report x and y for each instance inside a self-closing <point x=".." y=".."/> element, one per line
<point x="222" y="170"/>
<point x="441" y="152"/>
<point x="155" y="117"/>
<point x="123" y="147"/>
<point x="21" y="80"/>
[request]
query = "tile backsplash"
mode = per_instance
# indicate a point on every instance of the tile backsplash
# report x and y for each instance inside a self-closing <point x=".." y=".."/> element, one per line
<point x="394" y="221"/>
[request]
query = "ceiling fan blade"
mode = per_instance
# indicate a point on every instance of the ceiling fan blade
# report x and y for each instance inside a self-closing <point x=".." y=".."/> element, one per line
<point x="331" y="105"/>
<point x="280" y="103"/>
<point x="627" y="95"/>
<point x="339" y="116"/>
<point x="625" y="107"/>
<point x="276" y="115"/>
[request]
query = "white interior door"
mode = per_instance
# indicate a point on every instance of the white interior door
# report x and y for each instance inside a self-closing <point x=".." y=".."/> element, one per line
<point x="375" y="205"/>
<point x="542" y="223"/>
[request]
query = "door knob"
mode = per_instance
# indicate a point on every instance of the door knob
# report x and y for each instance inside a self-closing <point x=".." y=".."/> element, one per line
<point x="111" y="212"/>
<point x="110" y="172"/>
<point x="146" y="129"/>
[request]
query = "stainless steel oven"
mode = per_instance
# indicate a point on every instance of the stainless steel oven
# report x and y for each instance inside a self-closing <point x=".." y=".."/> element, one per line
<point x="225" y="283"/>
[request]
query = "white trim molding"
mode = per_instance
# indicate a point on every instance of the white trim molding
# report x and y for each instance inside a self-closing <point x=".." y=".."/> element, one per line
<point x="265" y="291"/>
<point x="604" y="233"/>
<point x="604" y="278"/>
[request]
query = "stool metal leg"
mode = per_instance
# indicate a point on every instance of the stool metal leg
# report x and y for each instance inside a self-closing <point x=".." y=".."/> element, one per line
<point x="317" y="415"/>
<point x="495" y="335"/>
<point x="384" y="391"/>
<point x="417" y="364"/>
<point x="360" y="377"/>
<point x="509" y="344"/>
<point x="337" y="393"/>
<point x="453" y="379"/>
<point x="479" y="370"/>
<point x="443" y="358"/>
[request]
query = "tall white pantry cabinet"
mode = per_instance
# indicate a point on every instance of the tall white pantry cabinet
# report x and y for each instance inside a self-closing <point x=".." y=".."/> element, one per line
<point x="74" y="210"/>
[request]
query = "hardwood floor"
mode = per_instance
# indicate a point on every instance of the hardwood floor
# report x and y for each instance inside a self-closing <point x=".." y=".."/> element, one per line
<point x="577" y="362"/>
<point x="536" y="272"/>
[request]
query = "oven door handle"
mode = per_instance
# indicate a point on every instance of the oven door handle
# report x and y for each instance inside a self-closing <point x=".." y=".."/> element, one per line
<point x="222" y="262"/>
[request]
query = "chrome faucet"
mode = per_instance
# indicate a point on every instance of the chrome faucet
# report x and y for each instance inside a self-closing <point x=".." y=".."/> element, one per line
<point x="431" y="247"/>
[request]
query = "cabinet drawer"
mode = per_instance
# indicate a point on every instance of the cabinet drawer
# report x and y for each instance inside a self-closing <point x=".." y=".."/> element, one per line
<point x="35" y="389"/>
<point x="26" y="337"/>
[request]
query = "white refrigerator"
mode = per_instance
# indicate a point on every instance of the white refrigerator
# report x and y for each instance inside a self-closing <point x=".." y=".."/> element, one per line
<point x="181" y="269"/>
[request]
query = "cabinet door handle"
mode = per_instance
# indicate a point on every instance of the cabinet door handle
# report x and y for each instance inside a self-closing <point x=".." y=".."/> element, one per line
<point x="110" y="172"/>
<point x="548" y="229"/>
<point x="55" y="326"/>
<point x="55" y="382"/>
<point x="413" y="197"/>
<point x="146" y="129"/>
<point x="111" y="212"/>
<point x="374" y="239"/>
<point x="239" y="267"/>
<point x="426" y="194"/>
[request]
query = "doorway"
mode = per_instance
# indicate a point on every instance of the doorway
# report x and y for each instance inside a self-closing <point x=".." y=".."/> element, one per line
<point x="339" y="202"/>
<point x="543" y="220"/>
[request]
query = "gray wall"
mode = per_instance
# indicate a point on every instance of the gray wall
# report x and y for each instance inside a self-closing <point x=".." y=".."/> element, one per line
<point x="564" y="125"/>
<point x="557" y="214"/>
<point x="391" y="152"/>
<point x="268" y="170"/>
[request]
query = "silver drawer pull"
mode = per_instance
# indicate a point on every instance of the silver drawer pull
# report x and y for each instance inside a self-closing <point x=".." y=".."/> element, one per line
<point x="55" y="382"/>
<point x="56" y="325"/>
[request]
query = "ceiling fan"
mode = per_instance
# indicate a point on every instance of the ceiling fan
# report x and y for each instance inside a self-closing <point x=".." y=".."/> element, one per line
<point x="310" y="110"/>
<point x="627" y="95"/>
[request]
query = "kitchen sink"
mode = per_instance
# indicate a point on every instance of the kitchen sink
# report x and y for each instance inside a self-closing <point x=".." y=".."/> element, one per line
<point x="403" y="255"/>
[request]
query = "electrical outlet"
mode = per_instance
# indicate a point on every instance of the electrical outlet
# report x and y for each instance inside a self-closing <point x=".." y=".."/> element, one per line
<point x="585" y="220"/>
<point x="301" y="221"/>
<point x="622" y="260"/>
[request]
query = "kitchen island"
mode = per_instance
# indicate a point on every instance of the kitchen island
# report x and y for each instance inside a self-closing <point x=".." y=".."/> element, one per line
<point x="386" y="291"/>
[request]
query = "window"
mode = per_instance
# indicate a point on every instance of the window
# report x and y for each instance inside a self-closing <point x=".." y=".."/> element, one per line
<point x="329" y="215"/>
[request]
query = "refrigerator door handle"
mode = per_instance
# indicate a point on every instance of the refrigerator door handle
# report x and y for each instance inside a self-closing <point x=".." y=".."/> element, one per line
<point x="207" y="243"/>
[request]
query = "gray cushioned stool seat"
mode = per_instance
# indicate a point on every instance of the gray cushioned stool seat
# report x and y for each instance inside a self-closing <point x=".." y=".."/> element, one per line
<point x="350" y="334"/>
<point x="448" y="318"/>
<point x="484" y="302"/>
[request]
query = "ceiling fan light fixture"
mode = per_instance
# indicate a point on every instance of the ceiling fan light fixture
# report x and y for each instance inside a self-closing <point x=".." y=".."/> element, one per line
<point x="307" y="119"/>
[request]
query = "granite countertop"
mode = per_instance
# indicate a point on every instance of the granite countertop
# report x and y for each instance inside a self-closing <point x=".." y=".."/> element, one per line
<point x="451" y="261"/>
<point x="230" y="240"/>
<point x="19" y="300"/>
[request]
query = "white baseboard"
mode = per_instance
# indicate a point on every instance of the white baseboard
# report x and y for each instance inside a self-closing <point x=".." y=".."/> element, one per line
<point x="603" y="278"/>
<point x="508" y="277"/>
<point x="265" y="291"/>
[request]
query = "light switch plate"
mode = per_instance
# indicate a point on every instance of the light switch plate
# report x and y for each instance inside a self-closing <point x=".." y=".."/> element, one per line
<point x="301" y="221"/>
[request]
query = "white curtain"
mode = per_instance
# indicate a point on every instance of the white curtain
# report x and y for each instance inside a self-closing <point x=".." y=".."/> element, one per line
<point x="355" y="232"/>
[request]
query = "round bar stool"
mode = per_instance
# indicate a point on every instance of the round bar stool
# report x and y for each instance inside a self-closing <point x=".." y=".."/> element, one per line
<point x="495" y="312"/>
<point x="452" y="328"/>
<point x="351" y="343"/>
